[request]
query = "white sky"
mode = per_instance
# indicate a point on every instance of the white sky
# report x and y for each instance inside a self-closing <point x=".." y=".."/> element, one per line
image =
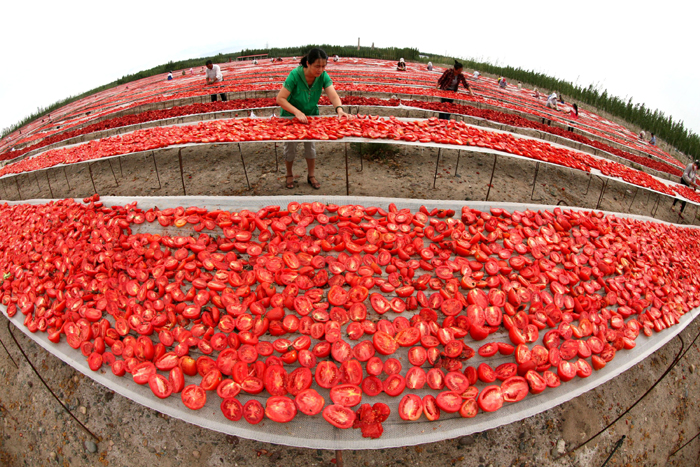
<point x="644" y="50"/>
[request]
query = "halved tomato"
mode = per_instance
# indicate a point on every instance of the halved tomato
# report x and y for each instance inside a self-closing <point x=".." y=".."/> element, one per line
<point x="339" y="416"/>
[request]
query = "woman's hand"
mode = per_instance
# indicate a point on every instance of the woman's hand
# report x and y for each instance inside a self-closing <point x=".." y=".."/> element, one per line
<point x="341" y="114"/>
<point x="301" y="117"/>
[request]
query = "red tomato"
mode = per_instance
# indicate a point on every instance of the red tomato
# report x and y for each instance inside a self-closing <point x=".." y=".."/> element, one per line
<point x="280" y="409"/>
<point x="194" y="397"/>
<point x="410" y="407"/>
<point x="490" y="399"/>
<point x="339" y="416"/>
<point x="232" y="408"/>
<point x="310" y="402"/>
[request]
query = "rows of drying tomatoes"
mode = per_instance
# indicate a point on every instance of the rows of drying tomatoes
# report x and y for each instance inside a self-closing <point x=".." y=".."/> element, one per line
<point x="315" y="299"/>
<point x="237" y="104"/>
<point x="430" y="130"/>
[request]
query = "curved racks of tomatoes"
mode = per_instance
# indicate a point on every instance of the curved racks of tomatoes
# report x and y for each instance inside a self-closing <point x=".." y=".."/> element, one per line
<point x="301" y="287"/>
<point x="430" y="130"/>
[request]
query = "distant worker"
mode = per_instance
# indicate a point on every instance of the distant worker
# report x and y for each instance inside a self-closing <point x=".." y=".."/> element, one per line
<point x="652" y="141"/>
<point x="561" y="99"/>
<point x="642" y="135"/>
<point x="449" y="81"/>
<point x="401" y="66"/>
<point x="430" y="66"/>
<point x="502" y="83"/>
<point x="336" y="58"/>
<point x="552" y="101"/>
<point x="191" y="71"/>
<point x="214" y="76"/>
<point x="255" y="62"/>
<point x="170" y="76"/>
<point x="536" y="95"/>
<point x="476" y="74"/>
<point x="520" y="86"/>
<point x="688" y="179"/>
<point x="573" y="114"/>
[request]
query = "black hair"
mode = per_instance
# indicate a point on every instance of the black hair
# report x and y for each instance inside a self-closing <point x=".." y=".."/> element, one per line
<point x="313" y="55"/>
<point x="458" y="65"/>
<point x="576" y="109"/>
<point x="209" y="62"/>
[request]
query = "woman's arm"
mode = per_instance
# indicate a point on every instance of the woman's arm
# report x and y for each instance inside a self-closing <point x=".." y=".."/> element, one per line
<point x="335" y="101"/>
<point x="284" y="103"/>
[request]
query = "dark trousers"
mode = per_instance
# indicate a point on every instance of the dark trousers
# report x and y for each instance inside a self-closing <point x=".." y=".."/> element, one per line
<point x="445" y="116"/>
<point x="223" y="97"/>
<point x="683" y="182"/>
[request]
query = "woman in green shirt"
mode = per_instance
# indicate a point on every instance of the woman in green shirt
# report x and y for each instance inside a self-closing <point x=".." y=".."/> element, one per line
<point x="299" y="98"/>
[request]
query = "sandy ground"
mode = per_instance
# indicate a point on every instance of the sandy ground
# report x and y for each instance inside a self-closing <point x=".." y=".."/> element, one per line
<point x="35" y="430"/>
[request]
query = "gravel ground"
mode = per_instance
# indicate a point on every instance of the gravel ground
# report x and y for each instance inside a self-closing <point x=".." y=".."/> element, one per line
<point x="35" y="429"/>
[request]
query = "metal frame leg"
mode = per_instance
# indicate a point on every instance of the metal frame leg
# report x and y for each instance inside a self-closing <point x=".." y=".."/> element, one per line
<point x="36" y="372"/>
<point x="17" y="183"/>
<point x="437" y="163"/>
<point x="66" y="175"/>
<point x="153" y="154"/>
<point x="602" y="193"/>
<point x="113" y="174"/>
<point x="36" y="178"/>
<point x="656" y="205"/>
<point x="277" y="164"/>
<point x="49" y="182"/>
<point x="91" y="179"/>
<point x="120" y="167"/>
<point x="590" y="177"/>
<point x="347" y="173"/>
<point x="240" y="151"/>
<point x="182" y="174"/>
<point x="633" y="198"/>
<point x="534" y="183"/>
<point x="495" y="160"/>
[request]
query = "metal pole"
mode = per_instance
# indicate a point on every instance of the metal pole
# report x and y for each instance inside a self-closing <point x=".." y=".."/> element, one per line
<point x="153" y="153"/>
<point x="347" y="174"/>
<point x="66" y="175"/>
<point x="49" y="182"/>
<point x="91" y="179"/>
<point x="113" y="174"/>
<point x="36" y="177"/>
<point x="459" y="152"/>
<point x="495" y="159"/>
<point x="277" y="164"/>
<point x="602" y="192"/>
<point x="633" y="198"/>
<point x="240" y="151"/>
<point x="36" y="372"/>
<point x="182" y="176"/>
<point x="437" y="162"/>
<point x="17" y="183"/>
<point x="120" y="167"/>
<point x="590" y="177"/>
<point x="534" y="182"/>
<point x="617" y="446"/>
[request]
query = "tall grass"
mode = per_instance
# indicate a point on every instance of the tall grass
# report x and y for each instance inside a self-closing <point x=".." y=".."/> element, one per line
<point x="664" y="126"/>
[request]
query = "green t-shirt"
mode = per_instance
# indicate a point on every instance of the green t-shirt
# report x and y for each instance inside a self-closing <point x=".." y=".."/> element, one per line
<point x="301" y="95"/>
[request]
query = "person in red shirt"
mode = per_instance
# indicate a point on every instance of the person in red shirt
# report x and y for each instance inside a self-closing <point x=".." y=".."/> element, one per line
<point x="449" y="81"/>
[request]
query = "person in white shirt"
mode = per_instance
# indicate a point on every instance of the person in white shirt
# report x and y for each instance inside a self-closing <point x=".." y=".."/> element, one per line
<point x="170" y="76"/>
<point x="552" y="101"/>
<point x="213" y="74"/>
<point x="430" y="66"/>
<point x="476" y="75"/>
<point x="688" y="179"/>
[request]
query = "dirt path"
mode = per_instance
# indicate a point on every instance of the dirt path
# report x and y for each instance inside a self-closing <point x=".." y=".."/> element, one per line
<point x="35" y="430"/>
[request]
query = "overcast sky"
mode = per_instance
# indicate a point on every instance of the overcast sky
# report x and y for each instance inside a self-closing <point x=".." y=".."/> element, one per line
<point x="643" y="50"/>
